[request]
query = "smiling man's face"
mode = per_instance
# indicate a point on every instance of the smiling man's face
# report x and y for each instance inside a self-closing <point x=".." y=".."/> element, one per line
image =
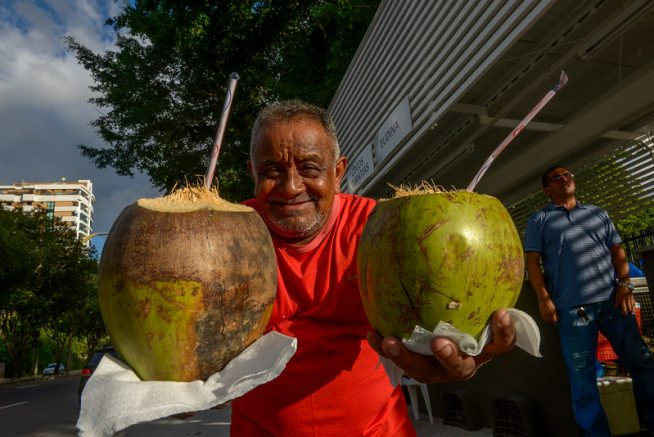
<point x="296" y="177"/>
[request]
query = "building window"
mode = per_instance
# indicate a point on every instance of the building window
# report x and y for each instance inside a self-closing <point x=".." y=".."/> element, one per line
<point x="50" y="208"/>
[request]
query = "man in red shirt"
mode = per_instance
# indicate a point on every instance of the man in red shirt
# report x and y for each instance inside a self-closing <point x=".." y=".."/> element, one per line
<point x="333" y="385"/>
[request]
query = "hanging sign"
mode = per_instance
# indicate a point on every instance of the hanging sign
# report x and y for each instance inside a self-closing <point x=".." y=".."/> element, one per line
<point x="360" y="168"/>
<point x="393" y="130"/>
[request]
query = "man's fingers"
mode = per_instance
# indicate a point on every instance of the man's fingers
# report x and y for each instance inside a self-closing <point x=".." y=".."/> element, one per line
<point x="455" y="362"/>
<point x="423" y="368"/>
<point x="448" y="363"/>
<point x="503" y="332"/>
<point x="554" y="318"/>
<point x="393" y="349"/>
<point x="629" y="305"/>
<point x="374" y="340"/>
<point x="389" y="347"/>
<point x="626" y="304"/>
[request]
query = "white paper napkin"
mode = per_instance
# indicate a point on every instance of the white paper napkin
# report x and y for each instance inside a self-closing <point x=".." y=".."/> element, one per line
<point x="115" y="398"/>
<point x="526" y="331"/>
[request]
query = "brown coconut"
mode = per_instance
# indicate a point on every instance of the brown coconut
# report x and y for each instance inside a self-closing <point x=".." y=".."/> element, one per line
<point x="186" y="283"/>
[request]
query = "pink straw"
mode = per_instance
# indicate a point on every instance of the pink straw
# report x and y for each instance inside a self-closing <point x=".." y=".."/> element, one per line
<point x="233" y="78"/>
<point x="563" y="79"/>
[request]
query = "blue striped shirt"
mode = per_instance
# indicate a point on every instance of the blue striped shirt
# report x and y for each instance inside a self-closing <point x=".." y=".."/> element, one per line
<point x="575" y="249"/>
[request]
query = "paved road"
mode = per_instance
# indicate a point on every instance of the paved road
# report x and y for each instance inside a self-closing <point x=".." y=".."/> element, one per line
<point x="215" y="423"/>
<point x="49" y="408"/>
<point x="42" y="407"/>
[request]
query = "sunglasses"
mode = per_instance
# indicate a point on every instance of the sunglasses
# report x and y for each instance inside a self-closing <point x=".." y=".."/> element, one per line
<point x="559" y="177"/>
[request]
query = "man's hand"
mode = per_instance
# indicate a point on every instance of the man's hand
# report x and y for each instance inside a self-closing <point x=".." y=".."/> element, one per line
<point x="448" y="362"/>
<point x="547" y="310"/>
<point x="624" y="300"/>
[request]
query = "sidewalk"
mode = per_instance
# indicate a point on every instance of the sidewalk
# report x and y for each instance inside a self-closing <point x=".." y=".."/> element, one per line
<point x="216" y="423"/>
<point x="37" y="377"/>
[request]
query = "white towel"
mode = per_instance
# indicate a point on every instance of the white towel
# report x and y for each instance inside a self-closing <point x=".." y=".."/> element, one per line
<point x="115" y="398"/>
<point x="526" y="331"/>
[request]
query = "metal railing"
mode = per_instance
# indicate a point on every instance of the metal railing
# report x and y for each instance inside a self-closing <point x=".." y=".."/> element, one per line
<point x="634" y="244"/>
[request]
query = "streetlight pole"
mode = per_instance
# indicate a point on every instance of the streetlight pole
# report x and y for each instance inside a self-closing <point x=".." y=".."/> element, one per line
<point x="86" y="239"/>
<point x="93" y="235"/>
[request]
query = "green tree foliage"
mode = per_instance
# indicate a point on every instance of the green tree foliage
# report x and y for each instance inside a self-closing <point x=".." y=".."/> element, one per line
<point x="72" y="271"/>
<point x="162" y="89"/>
<point x="89" y="326"/>
<point x="21" y="310"/>
<point x="636" y="223"/>
<point x="44" y="273"/>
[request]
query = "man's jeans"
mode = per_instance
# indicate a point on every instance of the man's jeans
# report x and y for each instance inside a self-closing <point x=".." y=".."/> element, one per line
<point x="578" y="334"/>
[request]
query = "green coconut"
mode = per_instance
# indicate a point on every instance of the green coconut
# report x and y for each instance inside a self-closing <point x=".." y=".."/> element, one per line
<point x="427" y="257"/>
<point x="186" y="283"/>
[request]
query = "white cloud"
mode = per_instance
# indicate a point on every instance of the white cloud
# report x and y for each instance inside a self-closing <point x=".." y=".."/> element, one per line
<point x="44" y="92"/>
<point x="119" y="196"/>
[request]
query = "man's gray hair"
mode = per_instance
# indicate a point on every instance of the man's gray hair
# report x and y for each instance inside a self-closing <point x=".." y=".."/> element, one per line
<point x="290" y="109"/>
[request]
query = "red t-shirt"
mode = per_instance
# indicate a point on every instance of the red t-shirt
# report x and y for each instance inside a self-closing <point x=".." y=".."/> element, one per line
<point x="333" y="385"/>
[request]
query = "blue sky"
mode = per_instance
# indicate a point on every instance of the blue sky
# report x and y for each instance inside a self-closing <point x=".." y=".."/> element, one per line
<point x="44" y="113"/>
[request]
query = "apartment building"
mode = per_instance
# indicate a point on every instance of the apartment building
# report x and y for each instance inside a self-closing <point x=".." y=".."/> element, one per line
<point x="72" y="202"/>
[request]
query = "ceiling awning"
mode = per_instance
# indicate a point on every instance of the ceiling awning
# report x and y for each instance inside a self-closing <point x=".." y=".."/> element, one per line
<point x="436" y="86"/>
